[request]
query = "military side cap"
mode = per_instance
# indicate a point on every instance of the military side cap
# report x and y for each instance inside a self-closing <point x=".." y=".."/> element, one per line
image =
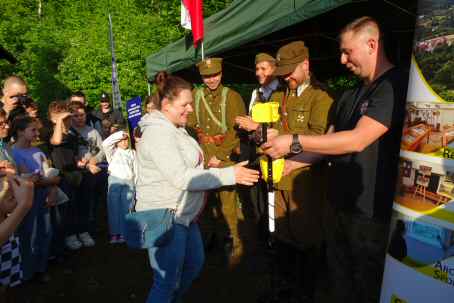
<point x="260" y="57"/>
<point x="210" y="66"/>
<point x="289" y="56"/>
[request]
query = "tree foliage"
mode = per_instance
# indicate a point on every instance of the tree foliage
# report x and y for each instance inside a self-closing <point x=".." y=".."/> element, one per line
<point x="438" y="70"/>
<point x="66" y="47"/>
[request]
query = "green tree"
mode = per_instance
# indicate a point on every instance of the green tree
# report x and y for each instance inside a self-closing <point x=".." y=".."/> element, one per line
<point x="66" y="48"/>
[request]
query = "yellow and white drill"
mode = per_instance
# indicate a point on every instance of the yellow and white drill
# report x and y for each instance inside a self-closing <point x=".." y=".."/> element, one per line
<point x="266" y="114"/>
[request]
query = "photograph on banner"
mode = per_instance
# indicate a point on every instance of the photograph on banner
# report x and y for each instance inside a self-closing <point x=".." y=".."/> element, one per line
<point x="429" y="129"/>
<point x="434" y="45"/>
<point x="424" y="244"/>
<point x="426" y="184"/>
<point x="418" y="241"/>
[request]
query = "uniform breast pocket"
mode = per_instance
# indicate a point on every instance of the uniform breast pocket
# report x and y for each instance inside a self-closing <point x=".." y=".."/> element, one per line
<point x="298" y="119"/>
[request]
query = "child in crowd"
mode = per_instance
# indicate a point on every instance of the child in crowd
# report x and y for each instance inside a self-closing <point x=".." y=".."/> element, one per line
<point x="31" y="107"/>
<point x="150" y="103"/>
<point x="35" y="231"/>
<point x="16" y="197"/>
<point x="106" y="128"/>
<point x="122" y="172"/>
<point x="6" y="160"/>
<point x="93" y="186"/>
<point x="68" y="221"/>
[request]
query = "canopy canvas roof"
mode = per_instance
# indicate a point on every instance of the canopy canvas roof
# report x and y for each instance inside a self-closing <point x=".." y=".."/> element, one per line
<point x="247" y="27"/>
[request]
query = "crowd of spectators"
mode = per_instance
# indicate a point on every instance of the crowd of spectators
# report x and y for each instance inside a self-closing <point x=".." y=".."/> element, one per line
<point x="53" y="177"/>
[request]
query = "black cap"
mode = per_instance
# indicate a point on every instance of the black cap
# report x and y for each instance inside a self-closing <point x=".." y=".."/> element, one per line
<point x="104" y="97"/>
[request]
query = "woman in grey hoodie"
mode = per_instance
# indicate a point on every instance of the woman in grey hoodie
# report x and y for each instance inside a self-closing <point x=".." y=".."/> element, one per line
<point x="170" y="174"/>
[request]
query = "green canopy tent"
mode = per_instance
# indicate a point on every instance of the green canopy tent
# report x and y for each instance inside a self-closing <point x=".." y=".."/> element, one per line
<point x="247" y="27"/>
<point x="243" y="21"/>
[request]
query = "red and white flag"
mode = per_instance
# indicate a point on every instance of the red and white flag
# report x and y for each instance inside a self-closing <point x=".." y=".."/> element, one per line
<point x="192" y="18"/>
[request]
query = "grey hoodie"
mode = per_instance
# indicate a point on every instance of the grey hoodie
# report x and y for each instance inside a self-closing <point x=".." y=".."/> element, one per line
<point x="170" y="171"/>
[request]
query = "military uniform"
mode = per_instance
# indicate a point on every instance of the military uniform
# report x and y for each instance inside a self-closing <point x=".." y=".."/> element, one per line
<point x="213" y="120"/>
<point x="257" y="193"/>
<point x="300" y="195"/>
<point x="217" y="135"/>
<point x="299" y="199"/>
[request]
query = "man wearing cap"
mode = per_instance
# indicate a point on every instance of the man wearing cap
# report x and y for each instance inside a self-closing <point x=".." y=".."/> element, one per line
<point x="305" y="108"/>
<point x="106" y="112"/>
<point x="362" y="154"/>
<point x="213" y="119"/>
<point x="268" y="90"/>
<point x="265" y="65"/>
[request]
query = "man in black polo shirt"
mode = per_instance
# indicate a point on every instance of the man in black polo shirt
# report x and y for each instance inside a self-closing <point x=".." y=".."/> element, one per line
<point x="361" y="150"/>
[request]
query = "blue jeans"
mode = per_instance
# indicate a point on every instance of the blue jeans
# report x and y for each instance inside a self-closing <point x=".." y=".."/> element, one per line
<point x="35" y="233"/>
<point x="119" y="197"/>
<point x="176" y="264"/>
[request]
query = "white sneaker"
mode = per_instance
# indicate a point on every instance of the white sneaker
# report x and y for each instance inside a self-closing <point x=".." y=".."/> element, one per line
<point x="73" y="243"/>
<point x="86" y="239"/>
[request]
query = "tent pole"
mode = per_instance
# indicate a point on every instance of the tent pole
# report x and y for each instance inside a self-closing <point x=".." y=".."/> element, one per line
<point x="203" y="52"/>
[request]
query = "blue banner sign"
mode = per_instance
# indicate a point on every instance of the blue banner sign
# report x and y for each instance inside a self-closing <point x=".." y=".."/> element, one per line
<point x="134" y="111"/>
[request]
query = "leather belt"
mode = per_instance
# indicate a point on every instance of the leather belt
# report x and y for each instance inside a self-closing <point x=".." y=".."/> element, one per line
<point x="206" y="139"/>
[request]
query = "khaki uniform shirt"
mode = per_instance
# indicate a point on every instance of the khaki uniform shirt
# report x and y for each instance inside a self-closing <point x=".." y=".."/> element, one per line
<point x="234" y="107"/>
<point x="300" y="200"/>
<point x="307" y="114"/>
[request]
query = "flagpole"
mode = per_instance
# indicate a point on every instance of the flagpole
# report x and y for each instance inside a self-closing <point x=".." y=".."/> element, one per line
<point x="203" y="52"/>
<point x="116" y="95"/>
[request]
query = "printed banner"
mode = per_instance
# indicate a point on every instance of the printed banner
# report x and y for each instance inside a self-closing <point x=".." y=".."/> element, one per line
<point x="420" y="260"/>
<point x="134" y="111"/>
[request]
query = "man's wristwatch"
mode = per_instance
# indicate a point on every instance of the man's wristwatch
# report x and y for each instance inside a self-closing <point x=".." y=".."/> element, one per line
<point x="296" y="147"/>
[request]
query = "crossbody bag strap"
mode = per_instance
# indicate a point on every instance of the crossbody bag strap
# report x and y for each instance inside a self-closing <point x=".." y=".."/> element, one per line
<point x="222" y="124"/>
<point x="225" y="91"/>
<point x="198" y="96"/>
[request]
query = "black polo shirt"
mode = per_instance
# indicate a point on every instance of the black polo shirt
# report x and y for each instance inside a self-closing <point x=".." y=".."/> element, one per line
<point x="365" y="181"/>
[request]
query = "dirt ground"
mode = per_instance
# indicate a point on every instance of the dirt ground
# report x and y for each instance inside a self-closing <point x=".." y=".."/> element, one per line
<point x="114" y="273"/>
